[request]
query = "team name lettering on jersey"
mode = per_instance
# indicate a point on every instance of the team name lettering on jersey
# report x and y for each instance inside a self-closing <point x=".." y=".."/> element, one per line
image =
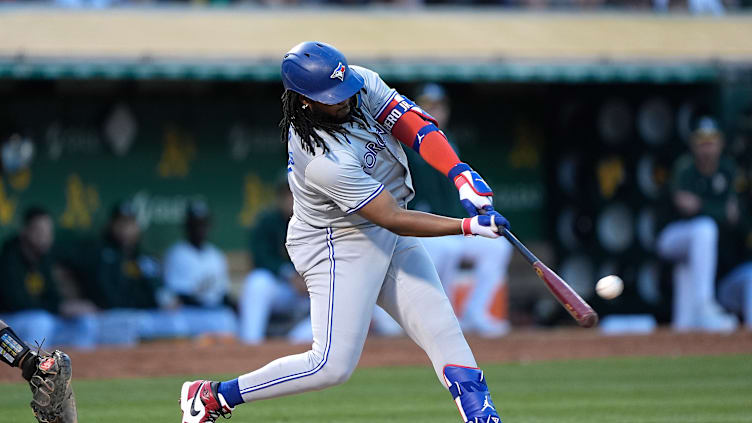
<point x="373" y="148"/>
<point x="396" y="108"/>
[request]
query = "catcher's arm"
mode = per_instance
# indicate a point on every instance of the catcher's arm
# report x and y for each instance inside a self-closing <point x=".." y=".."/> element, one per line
<point x="48" y="374"/>
<point x="13" y="351"/>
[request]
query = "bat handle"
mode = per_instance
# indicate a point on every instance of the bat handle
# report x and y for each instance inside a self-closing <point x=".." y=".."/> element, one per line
<point x="529" y="256"/>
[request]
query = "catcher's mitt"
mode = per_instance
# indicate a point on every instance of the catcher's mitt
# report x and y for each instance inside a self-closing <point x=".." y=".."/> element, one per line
<point x="50" y="381"/>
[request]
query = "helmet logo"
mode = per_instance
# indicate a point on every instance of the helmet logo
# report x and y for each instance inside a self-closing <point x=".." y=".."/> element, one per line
<point x="339" y="72"/>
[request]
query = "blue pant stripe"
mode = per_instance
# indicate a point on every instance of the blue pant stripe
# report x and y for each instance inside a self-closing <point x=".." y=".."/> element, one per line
<point x="330" y="318"/>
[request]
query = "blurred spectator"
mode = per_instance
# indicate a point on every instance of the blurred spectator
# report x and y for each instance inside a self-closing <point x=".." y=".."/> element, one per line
<point x="715" y="7"/>
<point x="113" y="271"/>
<point x="273" y="286"/>
<point x="91" y="4"/>
<point x="30" y="298"/>
<point x="196" y="278"/>
<point x="489" y="257"/>
<point x="735" y="287"/>
<point x="123" y="282"/>
<point x="16" y="152"/>
<point x="701" y="201"/>
<point x="711" y="7"/>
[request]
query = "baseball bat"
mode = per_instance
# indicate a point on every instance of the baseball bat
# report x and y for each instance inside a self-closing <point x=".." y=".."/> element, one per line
<point x="573" y="303"/>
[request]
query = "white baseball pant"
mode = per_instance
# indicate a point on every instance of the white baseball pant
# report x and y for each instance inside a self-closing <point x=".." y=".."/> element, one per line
<point x="347" y="271"/>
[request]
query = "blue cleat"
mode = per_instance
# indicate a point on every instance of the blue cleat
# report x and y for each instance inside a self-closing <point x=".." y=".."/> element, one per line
<point x="469" y="390"/>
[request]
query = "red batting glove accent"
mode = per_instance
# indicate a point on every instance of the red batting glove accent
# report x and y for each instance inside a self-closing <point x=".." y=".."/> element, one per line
<point x="466" y="228"/>
<point x="460" y="180"/>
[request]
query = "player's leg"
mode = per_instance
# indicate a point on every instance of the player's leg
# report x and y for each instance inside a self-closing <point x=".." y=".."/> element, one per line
<point x="344" y="270"/>
<point x="491" y="258"/>
<point x="211" y="321"/>
<point x="259" y="290"/>
<point x="79" y="332"/>
<point x="121" y="327"/>
<point x="443" y="253"/>
<point x="683" y="310"/>
<point x="695" y="242"/>
<point x="735" y="292"/>
<point x="413" y="295"/>
<point x="263" y="294"/>
<point x="384" y="324"/>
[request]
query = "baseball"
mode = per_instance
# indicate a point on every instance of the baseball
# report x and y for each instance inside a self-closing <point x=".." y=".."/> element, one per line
<point x="609" y="287"/>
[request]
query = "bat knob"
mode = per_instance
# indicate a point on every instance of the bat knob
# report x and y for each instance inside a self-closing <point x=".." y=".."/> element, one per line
<point x="589" y="320"/>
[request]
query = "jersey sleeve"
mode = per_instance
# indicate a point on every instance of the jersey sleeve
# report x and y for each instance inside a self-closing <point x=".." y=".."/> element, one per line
<point x="340" y="176"/>
<point x="377" y="94"/>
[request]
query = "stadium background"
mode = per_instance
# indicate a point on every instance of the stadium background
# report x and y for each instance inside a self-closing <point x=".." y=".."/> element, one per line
<point x="573" y="118"/>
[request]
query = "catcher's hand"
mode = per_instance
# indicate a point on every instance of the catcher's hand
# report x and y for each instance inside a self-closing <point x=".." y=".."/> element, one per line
<point x="49" y="376"/>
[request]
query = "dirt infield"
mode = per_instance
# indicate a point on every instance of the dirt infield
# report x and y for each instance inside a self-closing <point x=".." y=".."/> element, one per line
<point x="174" y="358"/>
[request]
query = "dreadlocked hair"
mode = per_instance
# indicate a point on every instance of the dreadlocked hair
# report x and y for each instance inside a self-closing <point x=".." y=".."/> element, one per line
<point x="303" y="122"/>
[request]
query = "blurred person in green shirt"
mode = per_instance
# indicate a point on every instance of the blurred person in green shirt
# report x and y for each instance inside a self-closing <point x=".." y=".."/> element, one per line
<point x="123" y="282"/>
<point x="273" y="286"/>
<point x="702" y="201"/>
<point x="30" y="297"/>
<point x="112" y="270"/>
<point x="735" y="287"/>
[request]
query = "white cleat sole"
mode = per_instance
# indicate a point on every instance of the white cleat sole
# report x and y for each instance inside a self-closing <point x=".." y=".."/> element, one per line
<point x="184" y="400"/>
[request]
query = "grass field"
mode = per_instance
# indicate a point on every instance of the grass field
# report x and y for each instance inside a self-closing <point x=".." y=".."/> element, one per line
<point x="650" y="390"/>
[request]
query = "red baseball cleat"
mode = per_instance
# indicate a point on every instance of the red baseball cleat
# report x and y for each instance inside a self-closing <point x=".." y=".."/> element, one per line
<point x="201" y="403"/>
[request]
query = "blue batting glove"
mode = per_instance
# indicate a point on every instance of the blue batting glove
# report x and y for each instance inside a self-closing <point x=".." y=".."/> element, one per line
<point x="475" y="194"/>
<point x="499" y="219"/>
<point x="486" y="225"/>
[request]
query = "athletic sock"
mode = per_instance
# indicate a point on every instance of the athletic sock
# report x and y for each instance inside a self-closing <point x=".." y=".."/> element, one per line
<point x="231" y="392"/>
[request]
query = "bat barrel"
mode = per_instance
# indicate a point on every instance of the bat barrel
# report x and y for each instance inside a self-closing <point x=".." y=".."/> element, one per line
<point x="567" y="297"/>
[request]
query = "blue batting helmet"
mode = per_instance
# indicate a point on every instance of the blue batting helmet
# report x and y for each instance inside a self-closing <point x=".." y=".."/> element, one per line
<point x="320" y="72"/>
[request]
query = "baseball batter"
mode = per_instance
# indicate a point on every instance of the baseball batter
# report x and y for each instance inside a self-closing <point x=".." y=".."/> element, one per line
<point x="351" y="237"/>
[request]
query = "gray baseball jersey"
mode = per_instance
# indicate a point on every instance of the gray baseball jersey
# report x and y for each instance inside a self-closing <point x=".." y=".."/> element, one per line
<point x="349" y="264"/>
<point x="329" y="188"/>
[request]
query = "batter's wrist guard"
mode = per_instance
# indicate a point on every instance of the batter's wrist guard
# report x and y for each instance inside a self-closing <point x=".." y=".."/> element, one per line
<point x="477" y="183"/>
<point x="475" y="194"/>
<point x="12" y="348"/>
<point x="470" y="392"/>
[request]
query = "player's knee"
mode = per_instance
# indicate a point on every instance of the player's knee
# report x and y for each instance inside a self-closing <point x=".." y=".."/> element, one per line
<point x="258" y="282"/>
<point x="333" y="375"/>
<point x="706" y="229"/>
